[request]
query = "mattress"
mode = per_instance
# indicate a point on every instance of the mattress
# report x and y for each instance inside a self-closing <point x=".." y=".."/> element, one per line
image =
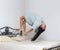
<point x="28" y="45"/>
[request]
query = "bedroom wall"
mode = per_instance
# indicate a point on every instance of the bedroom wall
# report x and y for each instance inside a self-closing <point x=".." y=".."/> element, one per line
<point x="50" y="11"/>
<point x="10" y="11"/>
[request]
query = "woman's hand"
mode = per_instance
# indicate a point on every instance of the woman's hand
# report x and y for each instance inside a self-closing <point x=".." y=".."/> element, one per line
<point x="25" y="33"/>
<point x="36" y="30"/>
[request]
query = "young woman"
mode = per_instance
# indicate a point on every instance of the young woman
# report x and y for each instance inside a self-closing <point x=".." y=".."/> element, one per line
<point x="35" y="21"/>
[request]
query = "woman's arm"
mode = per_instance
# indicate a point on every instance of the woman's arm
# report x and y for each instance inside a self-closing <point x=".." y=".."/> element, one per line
<point x="26" y="33"/>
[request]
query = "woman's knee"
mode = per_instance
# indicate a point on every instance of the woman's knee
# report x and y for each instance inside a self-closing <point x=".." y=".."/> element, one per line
<point x="22" y="20"/>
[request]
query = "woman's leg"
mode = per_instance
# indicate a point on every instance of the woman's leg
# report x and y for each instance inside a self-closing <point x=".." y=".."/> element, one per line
<point x="21" y="25"/>
<point x="24" y="27"/>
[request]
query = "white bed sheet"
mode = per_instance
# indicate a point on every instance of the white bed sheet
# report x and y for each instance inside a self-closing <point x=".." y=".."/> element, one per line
<point x="28" y="45"/>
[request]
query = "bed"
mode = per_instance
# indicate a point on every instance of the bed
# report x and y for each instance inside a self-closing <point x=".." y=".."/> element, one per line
<point x="28" y="45"/>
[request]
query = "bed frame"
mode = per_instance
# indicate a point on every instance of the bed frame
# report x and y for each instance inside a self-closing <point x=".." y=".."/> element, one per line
<point x="53" y="48"/>
<point x="8" y="32"/>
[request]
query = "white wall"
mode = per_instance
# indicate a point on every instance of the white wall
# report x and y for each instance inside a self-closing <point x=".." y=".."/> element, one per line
<point x="10" y="11"/>
<point x="50" y="11"/>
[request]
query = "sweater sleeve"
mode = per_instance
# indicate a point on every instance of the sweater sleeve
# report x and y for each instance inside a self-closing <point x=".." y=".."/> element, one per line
<point x="37" y="23"/>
